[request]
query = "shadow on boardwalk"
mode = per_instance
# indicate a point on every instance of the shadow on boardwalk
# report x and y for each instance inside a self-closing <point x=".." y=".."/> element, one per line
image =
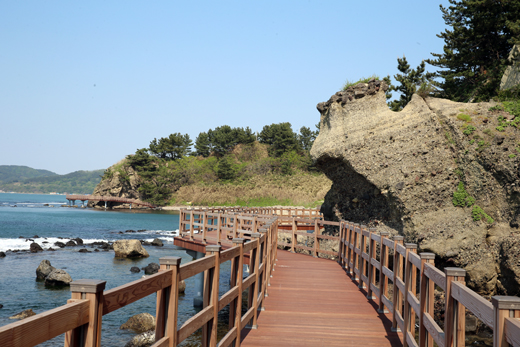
<point x="313" y="302"/>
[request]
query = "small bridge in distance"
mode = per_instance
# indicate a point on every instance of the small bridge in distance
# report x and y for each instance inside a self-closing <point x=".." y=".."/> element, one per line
<point x="72" y="199"/>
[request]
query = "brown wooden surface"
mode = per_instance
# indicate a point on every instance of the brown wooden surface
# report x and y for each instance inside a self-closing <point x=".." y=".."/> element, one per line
<point x="312" y="302"/>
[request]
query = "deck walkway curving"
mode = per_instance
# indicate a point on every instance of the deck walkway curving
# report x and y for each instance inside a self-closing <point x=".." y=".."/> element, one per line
<point x="313" y="302"/>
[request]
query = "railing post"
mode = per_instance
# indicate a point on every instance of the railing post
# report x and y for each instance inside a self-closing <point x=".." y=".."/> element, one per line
<point x="427" y="300"/>
<point x="88" y="335"/>
<point x="235" y="225"/>
<point x="316" y="245"/>
<point x="204" y="226"/>
<point x="341" y="244"/>
<point x="397" y="301"/>
<point x="167" y="302"/>
<point x="455" y="312"/>
<point x="211" y="289"/>
<point x="219" y="228"/>
<point x="192" y="216"/>
<point x="354" y="254"/>
<point x="265" y="261"/>
<point x="362" y="249"/>
<point x="350" y="238"/>
<point x="383" y="280"/>
<point x="371" y="270"/>
<point x="409" y="286"/>
<point x="503" y="307"/>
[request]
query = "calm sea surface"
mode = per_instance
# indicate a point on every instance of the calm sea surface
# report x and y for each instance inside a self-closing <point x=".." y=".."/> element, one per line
<point x="29" y="216"/>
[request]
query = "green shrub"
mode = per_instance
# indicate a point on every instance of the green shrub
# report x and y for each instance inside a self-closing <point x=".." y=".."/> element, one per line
<point x="488" y="132"/>
<point x="478" y="213"/>
<point x="469" y="130"/>
<point x="361" y="80"/>
<point x="512" y="156"/>
<point x="461" y="198"/>
<point x="464" y="117"/>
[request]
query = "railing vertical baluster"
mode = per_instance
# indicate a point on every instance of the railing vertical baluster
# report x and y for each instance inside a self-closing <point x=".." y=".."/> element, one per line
<point x="408" y="315"/>
<point x="503" y="307"/>
<point x="219" y="228"/>
<point x="371" y="270"/>
<point x="294" y="229"/>
<point x="350" y="248"/>
<point x="383" y="280"/>
<point x="204" y="226"/>
<point x="427" y="300"/>
<point x="212" y="277"/>
<point x="254" y="289"/>
<point x="238" y="301"/>
<point x="192" y="217"/>
<point x="362" y="249"/>
<point x="88" y="335"/>
<point x="454" y="316"/>
<point x="316" y="230"/>
<point x="397" y="301"/>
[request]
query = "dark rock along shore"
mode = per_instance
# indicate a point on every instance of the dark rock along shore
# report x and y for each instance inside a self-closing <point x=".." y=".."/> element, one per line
<point x="397" y="172"/>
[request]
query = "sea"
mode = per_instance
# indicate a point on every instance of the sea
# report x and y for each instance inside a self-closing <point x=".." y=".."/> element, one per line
<point x="26" y="217"/>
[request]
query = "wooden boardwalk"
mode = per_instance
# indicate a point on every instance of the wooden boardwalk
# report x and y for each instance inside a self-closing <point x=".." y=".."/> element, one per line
<point x="313" y="302"/>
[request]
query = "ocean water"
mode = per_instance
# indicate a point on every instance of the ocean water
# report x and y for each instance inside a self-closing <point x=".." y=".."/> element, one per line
<point x="31" y="217"/>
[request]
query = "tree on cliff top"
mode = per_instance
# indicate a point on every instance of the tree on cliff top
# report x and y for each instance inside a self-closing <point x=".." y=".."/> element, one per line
<point x="174" y="146"/>
<point x="410" y="80"/>
<point x="476" y="47"/>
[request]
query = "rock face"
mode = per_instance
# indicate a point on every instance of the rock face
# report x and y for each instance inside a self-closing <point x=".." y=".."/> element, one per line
<point x="118" y="181"/>
<point x="23" y="314"/>
<point x="129" y="249"/>
<point x="398" y="172"/>
<point x="44" y="269"/>
<point x="145" y="339"/>
<point x="58" y="278"/>
<point x="511" y="77"/>
<point x="140" y="323"/>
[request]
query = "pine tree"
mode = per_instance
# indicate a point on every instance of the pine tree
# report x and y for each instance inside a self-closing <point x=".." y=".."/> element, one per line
<point x="202" y="145"/>
<point x="410" y="80"/>
<point x="476" y="47"/>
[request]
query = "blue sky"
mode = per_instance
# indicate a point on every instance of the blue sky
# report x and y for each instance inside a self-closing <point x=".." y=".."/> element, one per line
<point x="82" y="85"/>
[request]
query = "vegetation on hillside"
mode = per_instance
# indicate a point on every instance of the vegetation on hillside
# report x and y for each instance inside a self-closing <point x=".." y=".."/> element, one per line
<point x="230" y="166"/>
<point x="82" y="182"/>
<point x="16" y="173"/>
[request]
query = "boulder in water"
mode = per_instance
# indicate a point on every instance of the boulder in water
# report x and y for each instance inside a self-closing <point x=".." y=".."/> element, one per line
<point x="145" y="339"/>
<point x="59" y="244"/>
<point x="157" y="242"/>
<point x="151" y="268"/>
<point x="135" y="269"/>
<point x="23" y="314"/>
<point x="78" y="240"/>
<point x="182" y="287"/>
<point x="129" y="249"/>
<point x="44" y="269"/>
<point x="71" y="244"/>
<point x="58" y="278"/>
<point x="139" y="323"/>
<point x="35" y="248"/>
<point x="2" y="254"/>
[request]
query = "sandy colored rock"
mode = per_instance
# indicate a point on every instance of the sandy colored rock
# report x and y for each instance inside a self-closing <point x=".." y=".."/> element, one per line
<point x="129" y="249"/>
<point x="23" y="314"/>
<point x="397" y="172"/>
<point x="58" y="278"/>
<point x="139" y="323"/>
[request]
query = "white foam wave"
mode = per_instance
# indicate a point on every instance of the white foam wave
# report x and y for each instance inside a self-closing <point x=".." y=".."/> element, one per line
<point x="24" y="244"/>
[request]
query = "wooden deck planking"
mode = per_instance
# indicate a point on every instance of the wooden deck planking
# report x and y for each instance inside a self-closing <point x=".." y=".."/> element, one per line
<point x="312" y="302"/>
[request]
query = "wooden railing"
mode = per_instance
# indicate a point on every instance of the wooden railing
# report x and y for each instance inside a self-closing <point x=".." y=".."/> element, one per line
<point x="81" y="318"/>
<point x="357" y="254"/>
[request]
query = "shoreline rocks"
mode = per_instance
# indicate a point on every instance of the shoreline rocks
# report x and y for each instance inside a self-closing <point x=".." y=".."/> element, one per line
<point x="58" y="278"/>
<point x="24" y="314"/>
<point x="139" y="323"/>
<point x="44" y="269"/>
<point x="129" y="249"/>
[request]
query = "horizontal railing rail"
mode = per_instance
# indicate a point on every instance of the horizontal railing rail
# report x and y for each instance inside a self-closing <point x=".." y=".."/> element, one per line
<point x="81" y="318"/>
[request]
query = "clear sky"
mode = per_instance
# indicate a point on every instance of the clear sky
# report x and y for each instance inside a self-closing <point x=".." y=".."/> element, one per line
<point x="83" y="84"/>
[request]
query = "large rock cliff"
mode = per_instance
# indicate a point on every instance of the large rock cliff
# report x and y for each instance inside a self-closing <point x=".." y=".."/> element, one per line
<point x="398" y="172"/>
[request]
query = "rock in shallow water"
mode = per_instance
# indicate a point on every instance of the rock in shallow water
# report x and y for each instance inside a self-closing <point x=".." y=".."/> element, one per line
<point x="139" y="323"/>
<point x="35" y="248"/>
<point x="129" y="249"/>
<point x="151" y="268"/>
<point x="58" y="278"/>
<point x="44" y="269"/>
<point x="135" y="269"/>
<point x="145" y="339"/>
<point x="23" y="314"/>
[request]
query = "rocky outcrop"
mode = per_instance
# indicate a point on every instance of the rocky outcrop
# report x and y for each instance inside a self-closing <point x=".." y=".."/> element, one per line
<point x="157" y="242"/>
<point x="44" y="269"/>
<point x="398" y="172"/>
<point x="35" y="248"/>
<point x="129" y="249"/>
<point x="58" y="278"/>
<point x="139" y="323"/>
<point x="511" y="77"/>
<point x="145" y="339"/>
<point x="120" y="181"/>
<point x="151" y="268"/>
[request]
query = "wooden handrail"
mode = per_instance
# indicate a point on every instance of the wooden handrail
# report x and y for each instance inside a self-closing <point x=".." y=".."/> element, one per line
<point x="81" y="318"/>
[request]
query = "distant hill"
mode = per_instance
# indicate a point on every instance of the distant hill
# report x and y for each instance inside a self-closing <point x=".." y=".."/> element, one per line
<point x="42" y="181"/>
<point x="15" y="173"/>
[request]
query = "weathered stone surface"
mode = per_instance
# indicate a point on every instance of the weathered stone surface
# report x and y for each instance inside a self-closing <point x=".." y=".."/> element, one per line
<point x="145" y="339"/>
<point x="139" y="323"/>
<point x="23" y="314"/>
<point x="157" y="242"/>
<point x="44" y="269"/>
<point x="135" y="269"/>
<point x="511" y="77"/>
<point x="397" y="172"/>
<point x="70" y="244"/>
<point x="151" y="268"/>
<point x="58" y="278"/>
<point x="35" y="248"/>
<point x="59" y="244"/>
<point x="129" y="249"/>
